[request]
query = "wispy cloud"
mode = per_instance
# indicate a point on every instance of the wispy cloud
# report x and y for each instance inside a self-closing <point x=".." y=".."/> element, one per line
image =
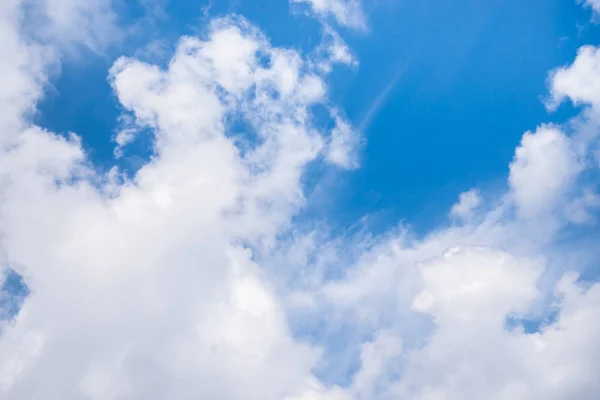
<point x="379" y="101"/>
<point x="348" y="13"/>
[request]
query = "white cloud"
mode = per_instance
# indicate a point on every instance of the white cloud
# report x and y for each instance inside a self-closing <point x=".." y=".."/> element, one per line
<point x="581" y="209"/>
<point x="543" y="168"/>
<point x="91" y="23"/>
<point x="183" y="282"/>
<point x="343" y="144"/>
<point x="347" y="13"/>
<point x="467" y="203"/>
<point x="22" y="71"/>
<point x="333" y="50"/>
<point x="144" y="289"/>
<point x="450" y="315"/>
<point x="376" y="359"/>
<point x="594" y="4"/>
<point x="471" y="354"/>
<point x="476" y="284"/>
<point x="580" y="81"/>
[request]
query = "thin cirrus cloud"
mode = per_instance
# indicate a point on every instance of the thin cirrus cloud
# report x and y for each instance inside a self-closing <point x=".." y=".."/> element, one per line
<point x="193" y="278"/>
<point x="347" y="13"/>
<point x="595" y="4"/>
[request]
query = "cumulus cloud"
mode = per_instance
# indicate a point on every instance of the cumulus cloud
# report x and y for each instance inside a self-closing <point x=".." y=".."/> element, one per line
<point x="543" y="168"/>
<point x="148" y="288"/>
<point x="579" y="81"/>
<point x="471" y="354"/>
<point x="192" y="279"/>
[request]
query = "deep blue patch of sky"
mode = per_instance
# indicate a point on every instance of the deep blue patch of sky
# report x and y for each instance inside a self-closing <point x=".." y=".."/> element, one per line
<point x="13" y="291"/>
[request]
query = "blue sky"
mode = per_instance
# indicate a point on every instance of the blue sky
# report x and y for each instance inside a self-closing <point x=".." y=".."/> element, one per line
<point x="299" y="199"/>
<point x="443" y="93"/>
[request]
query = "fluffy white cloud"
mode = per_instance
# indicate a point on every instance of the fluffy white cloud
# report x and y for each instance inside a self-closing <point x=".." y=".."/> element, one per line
<point x="543" y="168"/>
<point x="191" y="280"/>
<point x="441" y="327"/>
<point x="147" y="288"/>
<point x="580" y="81"/>
<point x="347" y="13"/>
<point x="472" y="355"/>
<point x="467" y="203"/>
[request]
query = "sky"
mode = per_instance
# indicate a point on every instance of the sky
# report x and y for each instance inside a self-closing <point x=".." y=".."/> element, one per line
<point x="299" y="199"/>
